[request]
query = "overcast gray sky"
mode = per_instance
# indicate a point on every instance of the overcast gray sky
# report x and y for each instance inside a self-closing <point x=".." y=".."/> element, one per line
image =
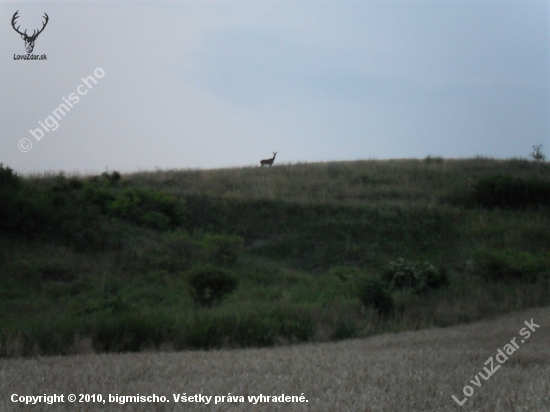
<point x="208" y="84"/>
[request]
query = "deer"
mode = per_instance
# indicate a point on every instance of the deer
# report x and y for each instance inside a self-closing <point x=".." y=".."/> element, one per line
<point x="268" y="162"/>
<point x="29" y="40"/>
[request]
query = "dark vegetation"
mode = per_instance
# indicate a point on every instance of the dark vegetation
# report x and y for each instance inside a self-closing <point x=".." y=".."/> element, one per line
<point x="373" y="293"/>
<point x="209" y="285"/>
<point x="255" y="257"/>
<point x="508" y="192"/>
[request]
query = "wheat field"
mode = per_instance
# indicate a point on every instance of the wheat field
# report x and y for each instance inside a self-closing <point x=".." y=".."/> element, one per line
<point x="411" y="371"/>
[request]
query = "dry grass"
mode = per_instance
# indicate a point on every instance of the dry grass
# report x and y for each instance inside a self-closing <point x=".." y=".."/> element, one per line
<point x="412" y="371"/>
<point x="405" y="182"/>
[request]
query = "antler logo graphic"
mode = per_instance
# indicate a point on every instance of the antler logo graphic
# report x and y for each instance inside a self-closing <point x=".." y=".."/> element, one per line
<point x="29" y="40"/>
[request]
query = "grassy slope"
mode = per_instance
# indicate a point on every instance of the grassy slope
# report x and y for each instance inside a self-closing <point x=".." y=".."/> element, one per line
<point x="298" y="222"/>
<point x="411" y="371"/>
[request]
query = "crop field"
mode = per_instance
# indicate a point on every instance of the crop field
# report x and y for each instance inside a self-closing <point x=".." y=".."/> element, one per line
<point x="410" y="371"/>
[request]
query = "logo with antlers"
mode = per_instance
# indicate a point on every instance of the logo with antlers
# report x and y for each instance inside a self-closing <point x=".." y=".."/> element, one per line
<point x="29" y="40"/>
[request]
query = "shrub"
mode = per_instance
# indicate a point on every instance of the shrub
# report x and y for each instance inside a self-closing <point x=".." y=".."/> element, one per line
<point x="537" y="154"/>
<point x="72" y="217"/>
<point x="222" y="249"/>
<point x="373" y="293"/>
<point x="75" y="183"/>
<point x="59" y="211"/>
<point x="419" y="277"/>
<point x="210" y="285"/>
<point x="8" y="179"/>
<point x="106" y="179"/>
<point x="26" y="208"/>
<point x="98" y="196"/>
<point x="175" y="251"/>
<point x="97" y="190"/>
<point x="112" y="178"/>
<point x="509" y="265"/>
<point x="179" y="243"/>
<point x="511" y="193"/>
<point x="433" y="159"/>
<point x="147" y="207"/>
<point x="172" y="252"/>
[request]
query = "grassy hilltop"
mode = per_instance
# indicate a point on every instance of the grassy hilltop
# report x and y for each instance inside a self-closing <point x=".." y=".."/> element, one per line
<point x="262" y="256"/>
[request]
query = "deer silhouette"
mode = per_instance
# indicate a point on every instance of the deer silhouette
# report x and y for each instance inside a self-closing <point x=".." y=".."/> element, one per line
<point x="29" y="40"/>
<point x="268" y="162"/>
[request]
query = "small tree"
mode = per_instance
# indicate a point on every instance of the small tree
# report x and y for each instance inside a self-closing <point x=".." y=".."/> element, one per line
<point x="373" y="293"/>
<point x="418" y="277"/>
<point x="210" y="285"/>
<point x="537" y="154"/>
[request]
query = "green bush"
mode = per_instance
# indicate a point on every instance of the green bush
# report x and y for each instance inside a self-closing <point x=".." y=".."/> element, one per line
<point x="98" y="196"/>
<point x="20" y="211"/>
<point x="174" y="252"/>
<point x="508" y="192"/>
<point x="509" y="265"/>
<point x="373" y="293"/>
<point x="178" y="251"/>
<point x="418" y="277"/>
<point x="180" y="243"/>
<point x="75" y="183"/>
<point x="8" y="179"/>
<point x="106" y="179"/>
<point x="57" y="211"/>
<point x="147" y="207"/>
<point x="433" y="159"/>
<point x="210" y="285"/>
<point x="72" y="218"/>
<point x="222" y="249"/>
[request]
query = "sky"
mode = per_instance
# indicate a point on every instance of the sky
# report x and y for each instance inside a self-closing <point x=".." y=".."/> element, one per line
<point x="224" y="83"/>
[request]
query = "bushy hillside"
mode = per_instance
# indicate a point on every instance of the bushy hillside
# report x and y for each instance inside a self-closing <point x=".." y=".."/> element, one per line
<point x="263" y="256"/>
